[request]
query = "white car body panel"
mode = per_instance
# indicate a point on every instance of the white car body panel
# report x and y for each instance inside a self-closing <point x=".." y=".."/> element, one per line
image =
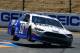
<point x="45" y="28"/>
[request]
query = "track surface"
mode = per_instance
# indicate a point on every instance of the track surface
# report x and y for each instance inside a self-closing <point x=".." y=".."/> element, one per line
<point x="23" y="46"/>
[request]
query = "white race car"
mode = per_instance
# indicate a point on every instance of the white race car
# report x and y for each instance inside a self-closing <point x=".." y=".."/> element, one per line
<point x="45" y="29"/>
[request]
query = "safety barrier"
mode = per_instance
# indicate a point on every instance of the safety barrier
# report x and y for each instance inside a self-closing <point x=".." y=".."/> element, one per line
<point x="70" y="20"/>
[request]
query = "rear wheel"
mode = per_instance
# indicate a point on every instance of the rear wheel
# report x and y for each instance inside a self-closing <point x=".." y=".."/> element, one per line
<point x="12" y="30"/>
<point x="15" y="38"/>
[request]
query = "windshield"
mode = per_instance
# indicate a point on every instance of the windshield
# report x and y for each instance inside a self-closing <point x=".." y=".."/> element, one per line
<point x="46" y="21"/>
<point x="25" y="17"/>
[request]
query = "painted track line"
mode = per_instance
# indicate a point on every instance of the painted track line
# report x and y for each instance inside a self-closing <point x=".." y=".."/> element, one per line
<point x="7" y="45"/>
<point x="2" y="46"/>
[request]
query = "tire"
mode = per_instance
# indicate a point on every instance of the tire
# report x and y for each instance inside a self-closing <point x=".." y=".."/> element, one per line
<point x="29" y="32"/>
<point x="13" y="33"/>
<point x="12" y="30"/>
<point x="66" y="45"/>
<point x="15" y="38"/>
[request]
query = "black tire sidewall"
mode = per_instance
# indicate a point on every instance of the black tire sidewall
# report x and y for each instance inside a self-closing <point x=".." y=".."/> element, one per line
<point x="12" y="30"/>
<point x="15" y="38"/>
<point x="67" y="44"/>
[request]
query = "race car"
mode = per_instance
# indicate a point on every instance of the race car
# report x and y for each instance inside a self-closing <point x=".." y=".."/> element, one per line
<point x="45" y="29"/>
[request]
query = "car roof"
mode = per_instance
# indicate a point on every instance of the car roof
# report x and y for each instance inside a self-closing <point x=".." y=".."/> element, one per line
<point x="44" y="16"/>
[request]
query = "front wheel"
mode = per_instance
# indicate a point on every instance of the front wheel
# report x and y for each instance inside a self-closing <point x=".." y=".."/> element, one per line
<point x="15" y="38"/>
<point x="66" y="45"/>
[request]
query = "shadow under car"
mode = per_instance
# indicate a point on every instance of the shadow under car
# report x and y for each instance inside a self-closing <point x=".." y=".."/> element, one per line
<point x="40" y="46"/>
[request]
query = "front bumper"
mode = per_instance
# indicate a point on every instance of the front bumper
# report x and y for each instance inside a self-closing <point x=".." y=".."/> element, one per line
<point x="55" y="39"/>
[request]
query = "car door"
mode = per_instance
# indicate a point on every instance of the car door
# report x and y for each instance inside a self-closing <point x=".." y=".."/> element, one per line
<point x="24" y="24"/>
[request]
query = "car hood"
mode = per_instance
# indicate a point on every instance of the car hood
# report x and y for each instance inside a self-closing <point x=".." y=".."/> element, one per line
<point x="61" y="30"/>
<point x="58" y="30"/>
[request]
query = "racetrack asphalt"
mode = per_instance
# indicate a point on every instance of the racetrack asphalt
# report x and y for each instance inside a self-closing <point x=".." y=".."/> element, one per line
<point x="24" y="46"/>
